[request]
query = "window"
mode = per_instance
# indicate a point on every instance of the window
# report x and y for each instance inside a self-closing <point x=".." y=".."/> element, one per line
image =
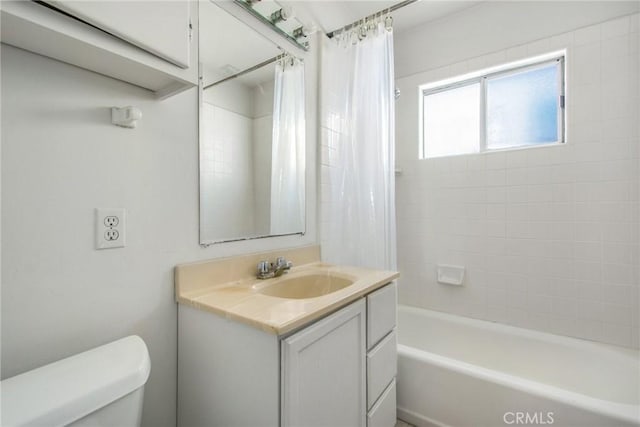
<point x="518" y="105"/>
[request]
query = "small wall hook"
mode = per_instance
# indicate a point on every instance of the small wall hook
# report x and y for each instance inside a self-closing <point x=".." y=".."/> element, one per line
<point x="126" y="117"/>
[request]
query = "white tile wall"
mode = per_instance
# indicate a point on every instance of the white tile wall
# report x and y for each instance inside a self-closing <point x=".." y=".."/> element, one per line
<point x="549" y="236"/>
<point x="237" y="176"/>
<point x="227" y="174"/>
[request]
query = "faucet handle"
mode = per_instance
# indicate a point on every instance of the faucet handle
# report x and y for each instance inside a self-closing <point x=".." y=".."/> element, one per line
<point x="264" y="267"/>
<point x="282" y="262"/>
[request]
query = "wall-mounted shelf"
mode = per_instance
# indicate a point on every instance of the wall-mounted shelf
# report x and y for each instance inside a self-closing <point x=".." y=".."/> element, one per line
<point x="39" y="29"/>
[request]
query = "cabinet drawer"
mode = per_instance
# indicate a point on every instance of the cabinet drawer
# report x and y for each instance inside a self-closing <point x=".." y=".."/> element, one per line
<point x="383" y="414"/>
<point x="381" y="367"/>
<point x="381" y="313"/>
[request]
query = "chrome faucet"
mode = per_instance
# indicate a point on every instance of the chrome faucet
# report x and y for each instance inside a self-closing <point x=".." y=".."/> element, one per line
<point x="267" y="270"/>
<point x="282" y="266"/>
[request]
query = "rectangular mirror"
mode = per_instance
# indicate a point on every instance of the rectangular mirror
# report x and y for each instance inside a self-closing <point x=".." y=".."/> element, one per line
<point x="252" y="133"/>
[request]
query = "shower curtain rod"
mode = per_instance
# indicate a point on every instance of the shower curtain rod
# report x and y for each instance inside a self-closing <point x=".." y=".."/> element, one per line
<point x="248" y="70"/>
<point x="373" y="15"/>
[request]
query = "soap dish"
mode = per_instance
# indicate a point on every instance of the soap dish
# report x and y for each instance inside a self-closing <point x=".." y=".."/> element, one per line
<point x="450" y="274"/>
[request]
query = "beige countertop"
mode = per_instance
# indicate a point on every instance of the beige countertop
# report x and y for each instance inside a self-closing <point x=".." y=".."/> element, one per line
<point x="241" y="299"/>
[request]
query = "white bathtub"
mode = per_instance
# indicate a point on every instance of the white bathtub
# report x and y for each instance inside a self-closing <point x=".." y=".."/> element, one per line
<point x="455" y="371"/>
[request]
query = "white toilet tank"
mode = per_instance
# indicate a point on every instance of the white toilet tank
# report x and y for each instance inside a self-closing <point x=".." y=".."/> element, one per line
<point x="100" y="387"/>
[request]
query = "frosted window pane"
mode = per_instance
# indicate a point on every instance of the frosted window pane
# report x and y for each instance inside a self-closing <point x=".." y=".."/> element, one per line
<point x="452" y="121"/>
<point x="522" y="108"/>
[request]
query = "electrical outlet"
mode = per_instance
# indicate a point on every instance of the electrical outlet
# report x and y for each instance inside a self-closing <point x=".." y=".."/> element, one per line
<point x="110" y="228"/>
<point x="111" y="221"/>
<point x="111" y="235"/>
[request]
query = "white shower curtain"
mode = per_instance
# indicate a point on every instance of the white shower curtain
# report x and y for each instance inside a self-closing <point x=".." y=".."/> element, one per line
<point x="358" y="213"/>
<point x="288" y="153"/>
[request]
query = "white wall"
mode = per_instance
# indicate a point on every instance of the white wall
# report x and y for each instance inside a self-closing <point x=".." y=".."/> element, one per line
<point x="549" y="236"/>
<point x="61" y="158"/>
<point x="491" y="26"/>
<point x="262" y="95"/>
<point x="232" y="95"/>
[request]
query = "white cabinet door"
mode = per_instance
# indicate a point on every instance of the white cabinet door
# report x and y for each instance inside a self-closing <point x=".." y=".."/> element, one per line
<point x="324" y="372"/>
<point x="159" y="27"/>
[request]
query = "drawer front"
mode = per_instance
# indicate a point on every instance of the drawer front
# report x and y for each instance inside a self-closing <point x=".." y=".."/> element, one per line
<point x="382" y="363"/>
<point x="381" y="314"/>
<point x="383" y="414"/>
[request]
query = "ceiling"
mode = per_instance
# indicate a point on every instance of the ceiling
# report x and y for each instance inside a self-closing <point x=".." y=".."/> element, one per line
<point x="221" y="34"/>
<point x="329" y="15"/>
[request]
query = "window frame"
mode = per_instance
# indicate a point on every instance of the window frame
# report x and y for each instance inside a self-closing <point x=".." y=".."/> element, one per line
<point x="481" y="77"/>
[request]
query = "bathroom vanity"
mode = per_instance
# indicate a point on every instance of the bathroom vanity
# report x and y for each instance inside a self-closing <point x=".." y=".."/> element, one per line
<point x="247" y="357"/>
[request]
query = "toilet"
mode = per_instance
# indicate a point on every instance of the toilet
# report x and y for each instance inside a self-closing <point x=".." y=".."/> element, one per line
<point x="100" y="387"/>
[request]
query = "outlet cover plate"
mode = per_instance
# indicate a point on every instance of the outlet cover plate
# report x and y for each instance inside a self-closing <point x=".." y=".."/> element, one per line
<point x="110" y="228"/>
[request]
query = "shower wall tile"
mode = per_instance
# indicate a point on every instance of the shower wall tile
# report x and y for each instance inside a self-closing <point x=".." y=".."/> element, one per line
<point x="549" y="236"/>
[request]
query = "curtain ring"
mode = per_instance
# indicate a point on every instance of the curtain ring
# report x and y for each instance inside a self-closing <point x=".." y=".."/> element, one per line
<point x="388" y="21"/>
<point x="372" y="24"/>
<point x="362" y="30"/>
